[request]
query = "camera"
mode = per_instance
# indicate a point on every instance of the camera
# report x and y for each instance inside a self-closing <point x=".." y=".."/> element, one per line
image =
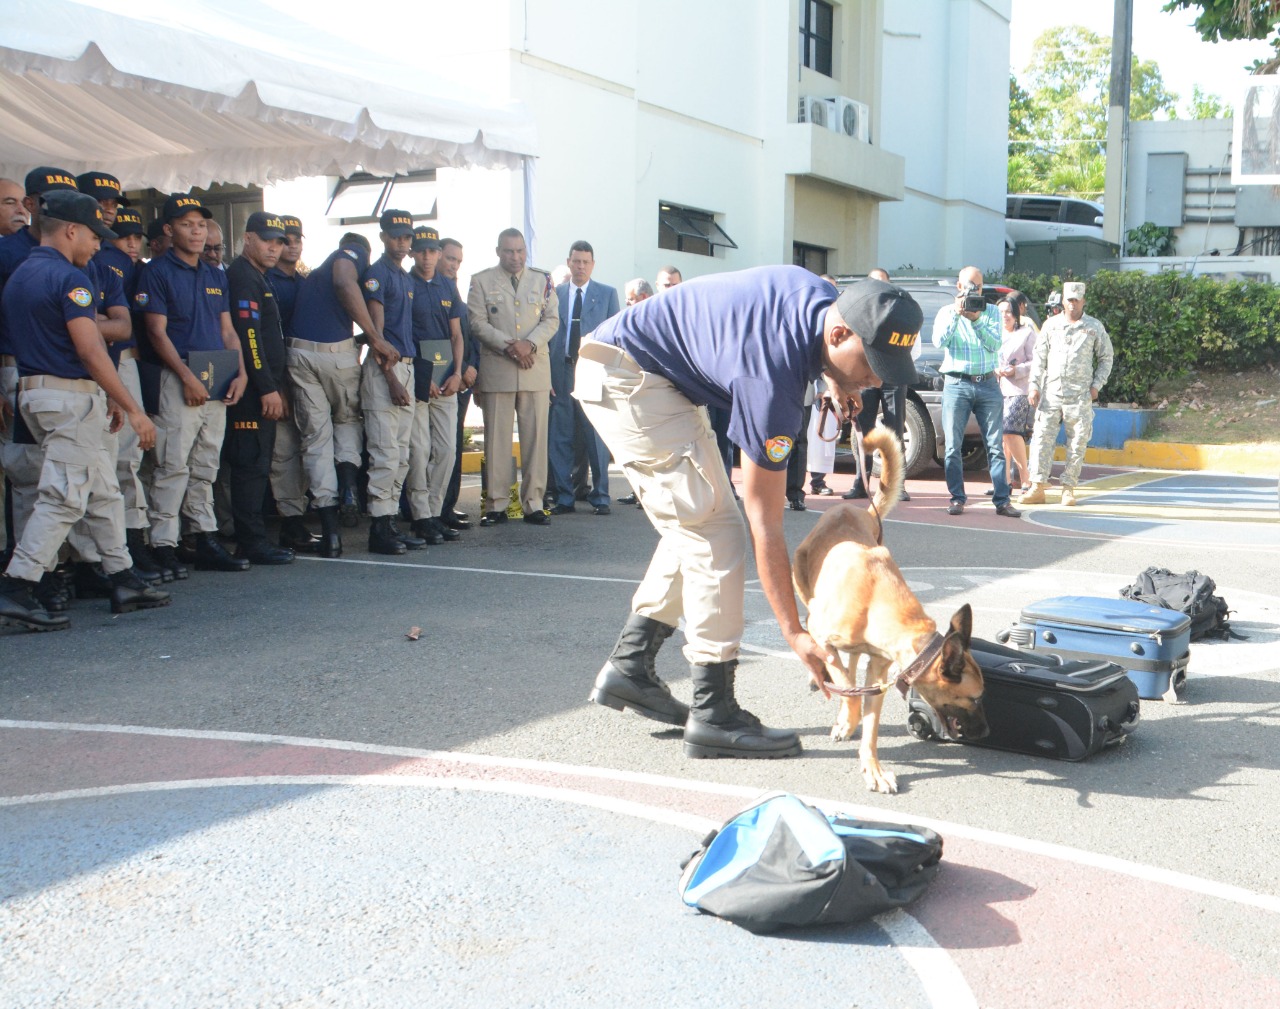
<point x="1054" y="305"/>
<point x="971" y="299"/>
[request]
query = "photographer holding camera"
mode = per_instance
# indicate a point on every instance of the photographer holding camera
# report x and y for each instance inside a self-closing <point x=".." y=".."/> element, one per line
<point x="969" y="334"/>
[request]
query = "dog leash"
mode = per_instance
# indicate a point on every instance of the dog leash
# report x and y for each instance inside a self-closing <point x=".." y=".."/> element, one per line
<point x="905" y="679"/>
<point x="855" y="443"/>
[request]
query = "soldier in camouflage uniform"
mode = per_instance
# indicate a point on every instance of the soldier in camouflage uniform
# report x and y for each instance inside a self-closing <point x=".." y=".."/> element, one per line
<point x="1072" y="362"/>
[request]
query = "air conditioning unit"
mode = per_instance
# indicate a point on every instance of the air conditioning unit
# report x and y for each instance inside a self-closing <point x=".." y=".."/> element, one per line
<point x="818" y="111"/>
<point x="852" y="118"/>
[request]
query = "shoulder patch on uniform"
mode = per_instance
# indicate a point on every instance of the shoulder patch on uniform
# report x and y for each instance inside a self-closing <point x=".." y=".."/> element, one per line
<point x="778" y="447"/>
<point x="371" y="285"/>
<point x="352" y="253"/>
<point x="81" y="296"/>
<point x="141" y="298"/>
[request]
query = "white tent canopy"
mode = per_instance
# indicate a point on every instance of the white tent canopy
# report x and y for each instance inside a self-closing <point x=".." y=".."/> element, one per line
<point x="175" y="94"/>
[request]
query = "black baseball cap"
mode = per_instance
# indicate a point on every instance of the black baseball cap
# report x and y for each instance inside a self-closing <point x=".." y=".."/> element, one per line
<point x="292" y="225"/>
<point x="888" y="320"/>
<point x="425" y="239"/>
<point x="102" y="186"/>
<point x="46" y="180"/>
<point x="155" y="229"/>
<point x="182" y="203"/>
<point x="396" y="223"/>
<point x="74" y="208"/>
<point x="128" y="222"/>
<point x="265" y="225"/>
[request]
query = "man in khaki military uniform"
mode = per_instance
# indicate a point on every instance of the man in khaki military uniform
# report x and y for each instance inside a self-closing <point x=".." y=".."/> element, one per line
<point x="1072" y="363"/>
<point x="514" y="315"/>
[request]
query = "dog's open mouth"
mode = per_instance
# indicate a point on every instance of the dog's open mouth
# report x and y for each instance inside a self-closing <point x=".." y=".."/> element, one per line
<point x="953" y="728"/>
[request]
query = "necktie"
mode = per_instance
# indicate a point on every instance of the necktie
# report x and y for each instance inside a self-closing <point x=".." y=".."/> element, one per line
<point x="515" y="282"/>
<point x="575" y="326"/>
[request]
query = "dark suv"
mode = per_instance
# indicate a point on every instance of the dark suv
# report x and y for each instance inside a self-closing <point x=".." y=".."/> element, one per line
<point x="923" y="438"/>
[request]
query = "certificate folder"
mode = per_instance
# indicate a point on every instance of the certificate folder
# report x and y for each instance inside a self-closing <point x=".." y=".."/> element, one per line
<point x="216" y="370"/>
<point x="438" y="354"/>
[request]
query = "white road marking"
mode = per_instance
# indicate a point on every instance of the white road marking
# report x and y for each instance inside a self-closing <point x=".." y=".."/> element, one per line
<point x="1107" y="863"/>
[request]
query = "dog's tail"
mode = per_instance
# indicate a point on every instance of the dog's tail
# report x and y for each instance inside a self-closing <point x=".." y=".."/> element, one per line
<point x="881" y="439"/>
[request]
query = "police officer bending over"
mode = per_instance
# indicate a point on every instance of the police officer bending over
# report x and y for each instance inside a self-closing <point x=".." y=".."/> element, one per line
<point x="64" y="370"/>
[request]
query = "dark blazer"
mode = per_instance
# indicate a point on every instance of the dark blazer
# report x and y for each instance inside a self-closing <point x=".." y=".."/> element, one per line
<point x="599" y="302"/>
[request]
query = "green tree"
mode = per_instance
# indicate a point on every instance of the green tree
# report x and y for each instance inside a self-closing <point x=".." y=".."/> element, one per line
<point x="1058" y="112"/>
<point x="1228" y="20"/>
<point x="1207" y="106"/>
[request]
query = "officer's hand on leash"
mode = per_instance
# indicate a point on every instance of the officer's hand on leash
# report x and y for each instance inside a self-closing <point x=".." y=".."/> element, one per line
<point x="815" y="658"/>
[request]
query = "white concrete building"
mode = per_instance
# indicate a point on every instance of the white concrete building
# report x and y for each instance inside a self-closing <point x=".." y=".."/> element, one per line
<point x="670" y="132"/>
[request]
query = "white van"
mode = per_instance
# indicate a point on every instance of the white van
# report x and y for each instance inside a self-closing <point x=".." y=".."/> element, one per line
<point x="1038" y="218"/>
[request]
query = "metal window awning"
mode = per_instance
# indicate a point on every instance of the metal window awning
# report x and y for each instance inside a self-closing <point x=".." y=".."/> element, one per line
<point x="696" y="226"/>
<point x="176" y="94"/>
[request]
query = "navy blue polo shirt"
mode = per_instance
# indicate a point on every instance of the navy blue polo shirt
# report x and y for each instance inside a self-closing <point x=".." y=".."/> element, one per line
<point x="45" y="292"/>
<point x="385" y="282"/>
<point x="109" y="269"/>
<point x="748" y="342"/>
<point x="13" y="250"/>
<point x="285" y="288"/>
<point x="434" y="305"/>
<point x="318" y="315"/>
<point x="192" y="298"/>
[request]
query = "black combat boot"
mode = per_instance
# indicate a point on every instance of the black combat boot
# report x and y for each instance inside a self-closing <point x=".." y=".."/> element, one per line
<point x="630" y="678"/>
<point x="426" y="531"/>
<point x="53" y="593"/>
<point x="446" y="531"/>
<point x="129" y="593"/>
<point x="167" y="558"/>
<point x="411" y="541"/>
<point x="348" y="499"/>
<point x="381" y="540"/>
<point x="213" y="556"/>
<point x="90" y="581"/>
<point x="20" y="608"/>
<point x="330" y="536"/>
<point x="145" y="565"/>
<point x="717" y="727"/>
<point x="295" y="535"/>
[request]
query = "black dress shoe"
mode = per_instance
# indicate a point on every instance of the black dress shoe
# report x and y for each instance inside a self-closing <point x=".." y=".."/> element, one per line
<point x="538" y="519"/>
<point x="129" y="593"/>
<point x="493" y="519"/>
<point x="295" y="536"/>
<point x="796" y="504"/>
<point x="212" y="555"/>
<point x="563" y="509"/>
<point x="443" y="531"/>
<point x="955" y="508"/>
<point x="823" y="491"/>
<point x="855" y="493"/>
<point x="425" y="530"/>
<point x="19" y="607"/>
<point x="451" y="521"/>
<point x="905" y="496"/>
<point x="601" y="509"/>
<point x="627" y="499"/>
<point x="1009" y="511"/>
<point x="265" y="553"/>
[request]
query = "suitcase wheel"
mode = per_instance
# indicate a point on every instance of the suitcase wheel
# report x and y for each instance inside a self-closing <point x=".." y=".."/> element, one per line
<point x="1002" y="635"/>
<point x="918" y="725"/>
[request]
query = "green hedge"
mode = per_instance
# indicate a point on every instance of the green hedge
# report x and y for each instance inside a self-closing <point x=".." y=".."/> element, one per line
<point x="1164" y="325"/>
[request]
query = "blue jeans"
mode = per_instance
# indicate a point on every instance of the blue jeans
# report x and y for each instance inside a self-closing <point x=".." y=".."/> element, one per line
<point x="961" y="397"/>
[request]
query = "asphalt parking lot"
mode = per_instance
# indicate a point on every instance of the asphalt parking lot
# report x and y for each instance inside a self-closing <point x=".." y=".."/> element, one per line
<point x="266" y="794"/>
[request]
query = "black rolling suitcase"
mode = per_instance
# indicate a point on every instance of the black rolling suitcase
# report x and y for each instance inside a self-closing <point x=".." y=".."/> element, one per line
<point x="1036" y="704"/>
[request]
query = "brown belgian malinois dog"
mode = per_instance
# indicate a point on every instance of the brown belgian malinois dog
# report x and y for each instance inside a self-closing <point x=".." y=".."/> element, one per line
<point x="859" y="604"/>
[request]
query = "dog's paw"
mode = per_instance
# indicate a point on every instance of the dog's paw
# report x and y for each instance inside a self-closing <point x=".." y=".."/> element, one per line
<point x="879" y="780"/>
<point x="843" y="731"/>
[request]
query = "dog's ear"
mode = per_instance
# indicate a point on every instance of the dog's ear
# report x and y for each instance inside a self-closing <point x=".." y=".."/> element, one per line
<point x="962" y="624"/>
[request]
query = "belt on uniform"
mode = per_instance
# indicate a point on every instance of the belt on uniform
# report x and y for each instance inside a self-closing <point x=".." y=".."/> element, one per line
<point x="608" y="355"/>
<point x="8" y="361"/>
<point x="341" y="347"/>
<point x="970" y="378"/>
<point x="62" y="384"/>
<point x="129" y="354"/>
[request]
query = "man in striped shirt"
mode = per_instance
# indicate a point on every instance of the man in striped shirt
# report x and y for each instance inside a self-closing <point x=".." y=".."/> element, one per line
<point x="970" y="340"/>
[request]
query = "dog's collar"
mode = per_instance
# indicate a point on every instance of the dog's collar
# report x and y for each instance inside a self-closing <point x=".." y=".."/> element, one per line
<point x="917" y="667"/>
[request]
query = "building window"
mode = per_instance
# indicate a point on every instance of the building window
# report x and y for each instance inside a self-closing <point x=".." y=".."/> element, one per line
<point x="682" y="229"/>
<point x="812" y="257"/>
<point x="816" y="32"/>
<point x="361" y="198"/>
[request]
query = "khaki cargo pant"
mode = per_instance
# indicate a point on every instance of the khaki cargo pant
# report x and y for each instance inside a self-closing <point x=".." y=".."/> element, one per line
<point x="1077" y="418"/>
<point x="667" y="449"/>
<point x="77" y="482"/>
<point x="21" y="463"/>
<point x="326" y="406"/>
<point x="432" y="450"/>
<point x="188" y="453"/>
<point x="387" y="430"/>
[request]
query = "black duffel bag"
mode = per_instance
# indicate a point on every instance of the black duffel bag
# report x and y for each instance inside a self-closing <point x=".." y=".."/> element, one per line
<point x="1191" y="593"/>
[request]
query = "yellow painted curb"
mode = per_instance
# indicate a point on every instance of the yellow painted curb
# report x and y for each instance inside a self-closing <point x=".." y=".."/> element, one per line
<point x="471" y="459"/>
<point x="1249" y="460"/>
